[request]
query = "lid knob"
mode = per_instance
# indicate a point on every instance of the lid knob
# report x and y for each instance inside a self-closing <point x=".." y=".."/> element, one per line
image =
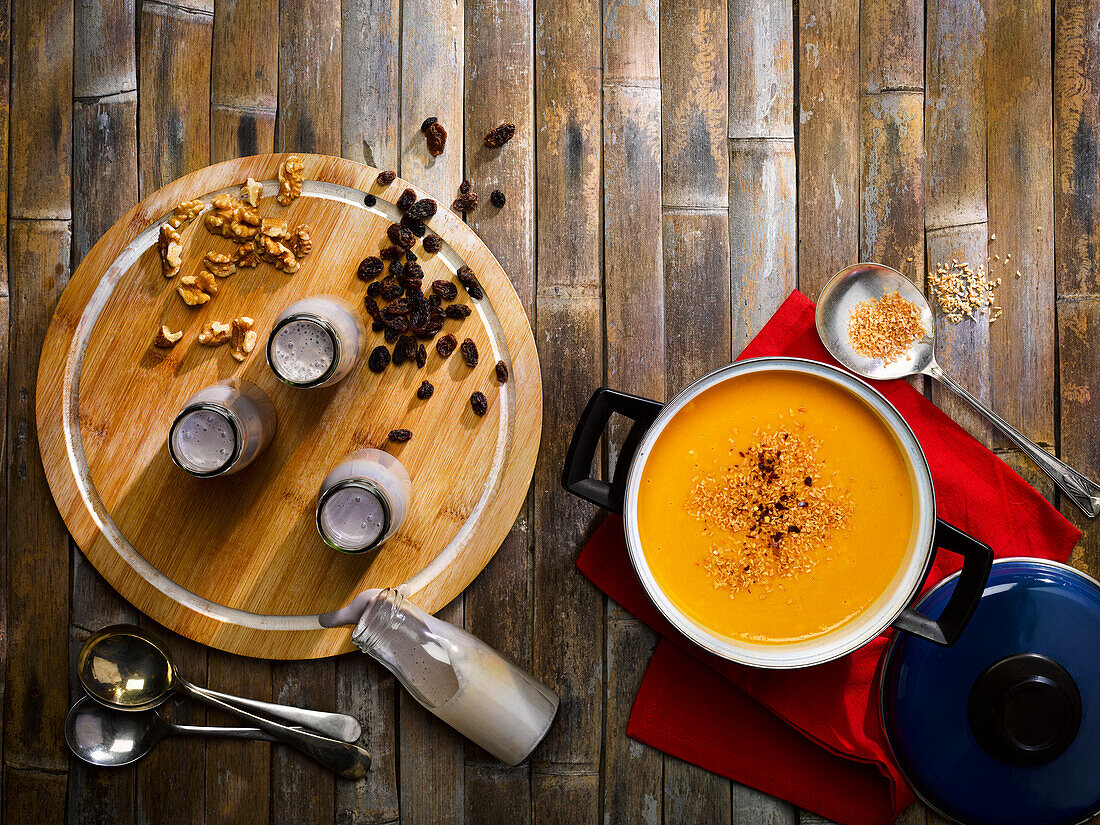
<point x="1024" y="709"/>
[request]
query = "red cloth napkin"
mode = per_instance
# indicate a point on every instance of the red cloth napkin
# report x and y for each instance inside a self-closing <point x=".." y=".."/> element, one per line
<point x="814" y="736"/>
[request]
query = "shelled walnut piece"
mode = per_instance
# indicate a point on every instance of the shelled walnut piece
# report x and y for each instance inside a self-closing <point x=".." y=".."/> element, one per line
<point x="233" y="218"/>
<point x="170" y="249"/>
<point x="185" y="212"/>
<point x="245" y="256"/>
<point x="219" y="264"/>
<point x="198" y="288"/>
<point x="300" y="242"/>
<point x="250" y="192"/>
<point x="214" y="334"/>
<point x="290" y="180"/>
<point x="243" y="337"/>
<point x="166" y="339"/>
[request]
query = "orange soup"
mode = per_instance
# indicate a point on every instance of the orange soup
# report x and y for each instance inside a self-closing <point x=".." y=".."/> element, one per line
<point x="775" y="507"/>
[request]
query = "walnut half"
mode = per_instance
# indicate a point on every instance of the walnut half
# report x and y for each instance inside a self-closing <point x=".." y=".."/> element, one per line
<point x="243" y="338"/>
<point x="219" y="263"/>
<point x="300" y="243"/>
<point x="214" y="334"/>
<point x="277" y="254"/>
<point x="250" y="192"/>
<point x="166" y="339"/>
<point x="196" y="289"/>
<point x="246" y="256"/>
<point x="185" y="212"/>
<point x="170" y="249"/>
<point x="290" y="180"/>
<point x="233" y="218"/>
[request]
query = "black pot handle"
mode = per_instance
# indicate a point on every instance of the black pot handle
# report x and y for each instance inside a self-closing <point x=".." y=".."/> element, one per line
<point x="575" y="477"/>
<point x="977" y="562"/>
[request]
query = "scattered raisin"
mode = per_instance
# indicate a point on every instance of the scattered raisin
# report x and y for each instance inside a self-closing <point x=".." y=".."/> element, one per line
<point x="465" y="203"/>
<point x="446" y="345"/>
<point x="421" y="356"/>
<point x="500" y="135"/>
<point x="369" y="269"/>
<point x="414" y="270"/>
<point x="399" y="306"/>
<point x="469" y="280"/>
<point x="375" y="289"/>
<point x="469" y="352"/>
<point x="425" y="391"/>
<point x="458" y="311"/>
<point x="391" y="336"/>
<point x="415" y="226"/>
<point x="401" y="236"/>
<point x="396" y="268"/>
<point x="377" y="326"/>
<point x="379" y="359"/>
<point x="428" y="122"/>
<point x="435" y="300"/>
<point x="433" y="243"/>
<point x="372" y="306"/>
<point x="445" y="290"/>
<point x="385" y="178"/>
<point x="497" y="198"/>
<point x="400" y="436"/>
<point x="397" y="323"/>
<point x="391" y="288"/>
<point x="424" y="209"/>
<point x="412" y="287"/>
<point x="407" y="199"/>
<point x="502" y="372"/>
<point x="437" y="138"/>
<point x="405" y="349"/>
<point x="465" y="187"/>
<point x="479" y="403"/>
<point x="389" y="253"/>
<point x="369" y="199"/>
<point x="410" y="256"/>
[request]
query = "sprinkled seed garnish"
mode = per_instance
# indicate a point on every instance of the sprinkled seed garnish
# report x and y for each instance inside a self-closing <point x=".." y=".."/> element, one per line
<point x="960" y="290"/>
<point x="885" y="328"/>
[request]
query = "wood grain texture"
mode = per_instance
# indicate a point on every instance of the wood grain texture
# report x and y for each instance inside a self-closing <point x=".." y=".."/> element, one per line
<point x="761" y="74"/>
<point x="104" y="60"/>
<point x="366" y="691"/>
<point x="828" y="140"/>
<point x="302" y="791"/>
<point x="1020" y="158"/>
<point x="370" y="111"/>
<point x="244" y="79"/>
<point x="310" y="77"/>
<point x="891" y="45"/>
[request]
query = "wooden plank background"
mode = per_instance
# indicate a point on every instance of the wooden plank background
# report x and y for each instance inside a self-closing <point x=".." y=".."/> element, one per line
<point x="679" y="166"/>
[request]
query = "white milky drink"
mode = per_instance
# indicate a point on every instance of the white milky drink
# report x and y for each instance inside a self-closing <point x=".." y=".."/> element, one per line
<point x="456" y="676"/>
<point x="315" y="342"/>
<point x="221" y="429"/>
<point x="363" y="501"/>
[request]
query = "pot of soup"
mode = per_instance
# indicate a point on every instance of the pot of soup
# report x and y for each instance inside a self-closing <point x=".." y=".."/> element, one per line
<point x="779" y="512"/>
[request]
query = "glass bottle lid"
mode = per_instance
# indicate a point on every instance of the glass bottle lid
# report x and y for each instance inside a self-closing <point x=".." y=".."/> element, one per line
<point x="1003" y="728"/>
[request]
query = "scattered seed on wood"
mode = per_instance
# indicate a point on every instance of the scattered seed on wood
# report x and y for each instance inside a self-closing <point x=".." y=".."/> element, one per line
<point x="400" y="436"/>
<point x="399" y="306"/>
<point x="372" y="306"/>
<point x="496" y="198"/>
<point x="424" y="209"/>
<point x="469" y="352"/>
<point x="397" y="323"/>
<point x="391" y="287"/>
<point x="500" y="135"/>
<point x="369" y="268"/>
<point x="421" y="356"/>
<point x="407" y="199"/>
<point x="465" y="203"/>
<point x="502" y="372"/>
<point x="386" y="178"/>
<point x="433" y="243"/>
<point x="437" y="138"/>
<point x="425" y="391"/>
<point x="479" y="403"/>
<point x="369" y="199"/>
<point x="379" y="359"/>
<point x="390" y="336"/>
<point x="396" y="268"/>
<point x="457" y="311"/>
<point x="445" y="290"/>
<point x="405" y="349"/>
<point x="469" y="280"/>
<point x="446" y="345"/>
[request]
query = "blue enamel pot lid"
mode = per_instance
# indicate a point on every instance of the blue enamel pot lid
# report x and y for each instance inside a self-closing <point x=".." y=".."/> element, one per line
<point x="1003" y="727"/>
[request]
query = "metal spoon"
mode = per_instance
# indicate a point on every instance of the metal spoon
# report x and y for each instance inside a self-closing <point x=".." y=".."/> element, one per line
<point x="126" y="667"/>
<point x="103" y="736"/>
<point x="861" y="282"/>
<point x="149" y="659"/>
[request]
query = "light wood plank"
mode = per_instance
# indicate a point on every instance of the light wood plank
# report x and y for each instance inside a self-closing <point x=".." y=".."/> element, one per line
<point x="891" y="45"/>
<point x="761" y="74"/>
<point x="310" y="77"/>
<point x="371" y="73"/>
<point x="244" y="78"/>
<point x="103" y="49"/>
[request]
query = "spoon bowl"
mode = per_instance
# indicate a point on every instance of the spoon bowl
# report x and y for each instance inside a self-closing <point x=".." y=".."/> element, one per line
<point x="111" y="738"/>
<point x="125" y="667"/>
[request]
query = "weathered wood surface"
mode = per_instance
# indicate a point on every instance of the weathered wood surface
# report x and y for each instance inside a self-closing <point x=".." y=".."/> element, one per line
<point x="678" y="167"/>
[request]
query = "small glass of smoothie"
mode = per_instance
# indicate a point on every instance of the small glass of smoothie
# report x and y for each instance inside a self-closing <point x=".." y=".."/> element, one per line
<point x="363" y="501"/>
<point x="315" y="342"/>
<point x="221" y="429"/>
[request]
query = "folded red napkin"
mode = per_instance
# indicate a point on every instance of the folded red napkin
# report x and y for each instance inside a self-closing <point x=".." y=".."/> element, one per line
<point x="814" y="736"/>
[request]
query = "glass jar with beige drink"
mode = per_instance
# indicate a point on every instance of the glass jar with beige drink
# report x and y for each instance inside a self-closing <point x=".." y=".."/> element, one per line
<point x="363" y="501"/>
<point x="315" y="342"/>
<point x="221" y="429"/>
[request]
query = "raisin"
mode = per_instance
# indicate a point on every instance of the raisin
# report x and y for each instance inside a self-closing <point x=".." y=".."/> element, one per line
<point x="496" y="198"/>
<point x="391" y="336"/>
<point x="425" y="391"/>
<point x="372" y="306"/>
<point x="369" y="269"/>
<point x="390" y="253"/>
<point x="421" y="356"/>
<point x="428" y="122"/>
<point x="400" y="436"/>
<point x="401" y="236"/>
<point x="469" y="280"/>
<point x="378" y="326"/>
<point x="465" y="203"/>
<point x="375" y="289"/>
<point x="445" y="290"/>
<point x="433" y="243"/>
<point x="405" y="349"/>
<point x="430" y="330"/>
<point x="435" y="311"/>
<point x="469" y="352"/>
<point x="435" y="300"/>
<point x="415" y="226"/>
<point x="391" y="288"/>
<point x="465" y="187"/>
<point x="397" y="323"/>
<point x="395" y="268"/>
<point x="479" y="403"/>
<point x="446" y="345"/>
<point x="458" y="311"/>
<point x="410" y="256"/>
<point x="418" y="317"/>
<point x="369" y="199"/>
<point x="424" y="209"/>
<point x="385" y="178"/>
<point x="500" y="135"/>
<point x="379" y="359"/>
<point x="437" y="138"/>
<point x="502" y="372"/>
<point x="414" y="270"/>
<point x="412" y="287"/>
<point x="399" y="306"/>
<point x="407" y="199"/>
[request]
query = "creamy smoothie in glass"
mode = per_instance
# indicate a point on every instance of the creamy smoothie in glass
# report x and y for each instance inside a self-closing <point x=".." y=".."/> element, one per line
<point x="221" y="429"/>
<point x="363" y="501"/>
<point x="315" y="342"/>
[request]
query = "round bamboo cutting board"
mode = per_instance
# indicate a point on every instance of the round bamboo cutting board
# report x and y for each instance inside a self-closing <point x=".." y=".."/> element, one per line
<point x="236" y="562"/>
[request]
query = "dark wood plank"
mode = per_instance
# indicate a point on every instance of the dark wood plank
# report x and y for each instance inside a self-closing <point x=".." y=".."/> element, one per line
<point x="371" y="75"/>
<point x="562" y="797"/>
<point x="1020" y="158"/>
<point x="365" y="690"/>
<point x="5" y="350"/>
<point x="828" y="140"/>
<point x="497" y="794"/>
<point x="31" y="796"/>
<point x="310" y="77"/>
<point x="302" y="791"/>
<point x="244" y="78"/>
<point x="103" y="49"/>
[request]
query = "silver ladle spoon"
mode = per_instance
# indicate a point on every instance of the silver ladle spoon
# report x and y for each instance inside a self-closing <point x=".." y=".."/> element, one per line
<point x="125" y="667"/>
<point x="110" y="738"/>
<point x="864" y="281"/>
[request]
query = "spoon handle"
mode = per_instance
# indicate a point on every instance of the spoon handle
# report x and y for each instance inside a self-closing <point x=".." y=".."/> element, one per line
<point x="222" y="732"/>
<point x="337" y="725"/>
<point x="345" y="759"/>
<point x="1082" y="491"/>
